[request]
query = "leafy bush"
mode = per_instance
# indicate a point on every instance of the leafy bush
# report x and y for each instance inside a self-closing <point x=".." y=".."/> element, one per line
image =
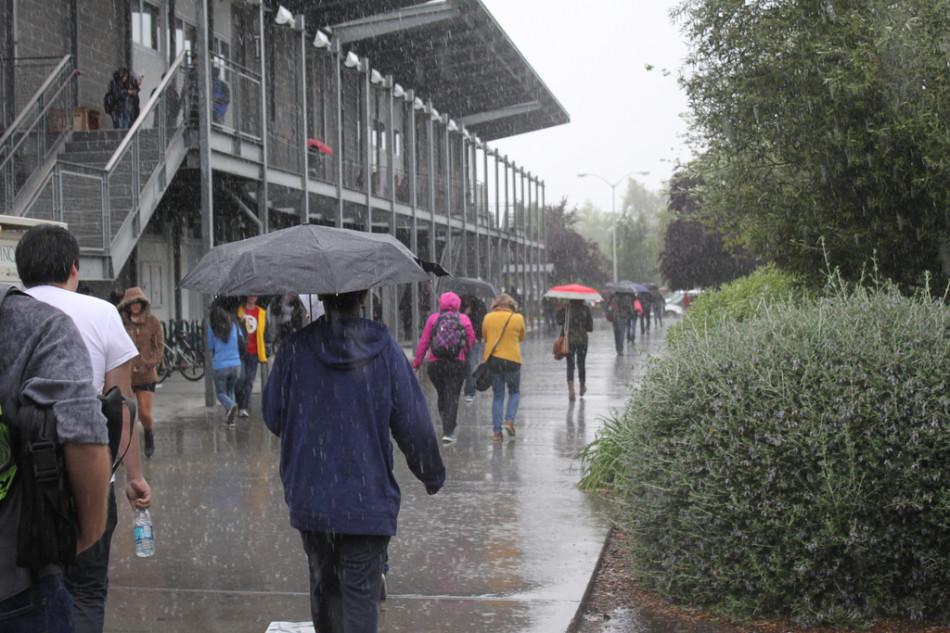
<point x="741" y="299"/>
<point x="794" y="464"/>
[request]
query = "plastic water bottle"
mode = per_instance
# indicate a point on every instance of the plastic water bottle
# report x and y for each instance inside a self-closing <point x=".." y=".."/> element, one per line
<point x="144" y="537"/>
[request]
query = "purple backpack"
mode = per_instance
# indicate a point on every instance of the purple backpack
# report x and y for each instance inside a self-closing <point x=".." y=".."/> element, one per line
<point x="448" y="336"/>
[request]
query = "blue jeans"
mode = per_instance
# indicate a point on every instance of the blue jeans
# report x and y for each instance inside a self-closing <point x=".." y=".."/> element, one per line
<point x="121" y="120"/>
<point x="87" y="578"/>
<point x="507" y="374"/>
<point x="474" y="358"/>
<point x="54" y="614"/>
<point x="346" y="572"/>
<point x="225" y="382"/>
<point x="245" y="386"/>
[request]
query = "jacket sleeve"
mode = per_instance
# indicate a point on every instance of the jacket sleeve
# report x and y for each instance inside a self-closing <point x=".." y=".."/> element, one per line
<point x="411" y="425"/>
<point x="261" y="336"/>
<point x="152" y="353"/>
<point x="589" y="319"/>
<point x="275" y="392"/>
<point x="423" y="343"/>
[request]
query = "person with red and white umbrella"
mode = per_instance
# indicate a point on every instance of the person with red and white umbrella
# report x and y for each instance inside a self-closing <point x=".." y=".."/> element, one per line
<point x="576" y="321"/>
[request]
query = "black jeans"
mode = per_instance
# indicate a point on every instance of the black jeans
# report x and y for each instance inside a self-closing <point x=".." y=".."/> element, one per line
<point x="447" y="377"/>
<point x="580" y="351"/>
<point x="620" y="332"/>
<point x="87" y="578"/>
<point x="345" y="578"/>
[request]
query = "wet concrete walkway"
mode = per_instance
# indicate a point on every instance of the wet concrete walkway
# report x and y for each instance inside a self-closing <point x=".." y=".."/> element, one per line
<point x="508" y="545"/>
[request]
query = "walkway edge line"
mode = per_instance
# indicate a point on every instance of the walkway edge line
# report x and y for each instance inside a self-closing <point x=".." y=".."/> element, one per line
<point x="575" y="622"/>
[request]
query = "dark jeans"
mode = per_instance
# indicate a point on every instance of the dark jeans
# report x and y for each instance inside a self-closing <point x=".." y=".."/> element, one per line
<point x="447" y="377"/>
<point x="245" y="385"/>
<point x="620" y="331"/>
<point x="580" y="351"/>
<point x="345" y="578"/>
<point x="87" y="578"/>
<point x="632" y="329"/>
<point x="53" y="614"/>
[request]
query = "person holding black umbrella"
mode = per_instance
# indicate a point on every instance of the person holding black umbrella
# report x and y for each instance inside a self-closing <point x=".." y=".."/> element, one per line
<point x="576" y="321"/>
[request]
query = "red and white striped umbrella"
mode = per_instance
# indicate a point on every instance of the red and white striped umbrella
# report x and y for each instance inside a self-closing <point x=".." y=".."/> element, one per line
<point x="574" y="291"/>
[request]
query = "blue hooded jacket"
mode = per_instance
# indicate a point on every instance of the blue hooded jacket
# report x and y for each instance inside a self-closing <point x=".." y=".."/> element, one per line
<point x="337" y="390"/>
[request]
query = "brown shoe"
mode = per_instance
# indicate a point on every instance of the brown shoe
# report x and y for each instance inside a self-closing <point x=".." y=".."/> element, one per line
<point x="510" y="428"/>
<point x="496" y="436"/>
<point x="570" y="391"/>
<point x="583" y="389"/>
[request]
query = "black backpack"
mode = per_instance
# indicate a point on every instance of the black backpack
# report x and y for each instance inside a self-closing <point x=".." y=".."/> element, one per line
<point x="108" y="101"/>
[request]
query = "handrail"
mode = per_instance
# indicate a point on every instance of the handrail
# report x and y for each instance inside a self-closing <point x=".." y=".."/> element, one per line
<point x="36" y="97"/>
<point x="39" y="117"/>
<point x="236" y="66"/>
<point x="149" y="107"/>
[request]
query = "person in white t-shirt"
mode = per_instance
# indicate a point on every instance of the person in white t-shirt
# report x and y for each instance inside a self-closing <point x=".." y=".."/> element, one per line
<point x="47" y="260"/>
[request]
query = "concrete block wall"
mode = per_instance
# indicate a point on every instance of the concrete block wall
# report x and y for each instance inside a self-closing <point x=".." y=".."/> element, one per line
<point x="283" y="44"/>
<point x="103" y="47"/>
<point x="43" y="28"/>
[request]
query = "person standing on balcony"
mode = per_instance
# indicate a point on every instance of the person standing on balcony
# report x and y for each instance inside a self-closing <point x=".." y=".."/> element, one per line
<point x="221" y="96"/>
<point x="254" y="320"/>
<point x="47" y="261"/>
<point x="146" y="332"/>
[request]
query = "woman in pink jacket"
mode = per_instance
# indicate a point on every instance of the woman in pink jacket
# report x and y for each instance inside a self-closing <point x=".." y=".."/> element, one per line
<point x="447" y="336"/>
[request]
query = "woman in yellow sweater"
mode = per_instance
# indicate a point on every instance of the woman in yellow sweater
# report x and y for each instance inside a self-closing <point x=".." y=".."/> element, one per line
<point x="503" y="330"/>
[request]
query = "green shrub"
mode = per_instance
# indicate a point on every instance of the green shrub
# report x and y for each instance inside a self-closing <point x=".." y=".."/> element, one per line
<point x="797" y="463"/>
<point x="741" y="299"/>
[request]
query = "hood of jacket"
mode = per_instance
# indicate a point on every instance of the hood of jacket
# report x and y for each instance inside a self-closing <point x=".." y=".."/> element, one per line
<point x="347" y="342"/>
<point x="132" y="295"/>
<point x="449" y="301"/>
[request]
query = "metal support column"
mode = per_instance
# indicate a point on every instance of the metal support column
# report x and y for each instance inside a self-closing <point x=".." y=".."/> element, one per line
<point x="391" y="163"/>
<point x="304" y="119"/>
<point x="525" y="292"/>
<point x="367" y="159"/>
<point x="544" y="236"/>
<point x="506" y="227"/>
<point x="204" y="159"/>
<point x="498" y="252"/>
<point x="431" y="160"/>
<point x="263" y="205"/>
<point x="449" y="261"/>
<point x="413" y="200"/>
<point x="338" y="119"/>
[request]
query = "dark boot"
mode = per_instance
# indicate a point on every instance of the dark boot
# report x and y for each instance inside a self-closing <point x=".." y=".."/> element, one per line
<point x="149" y="444"/>
<point x="570" y="391"/>
<point x="583" y="389"/>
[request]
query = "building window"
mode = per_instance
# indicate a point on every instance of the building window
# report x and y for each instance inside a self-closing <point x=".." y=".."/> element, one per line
<point x="186" y="37"/>
<point x="146" y="24"/>
<point x="397" y="142"/>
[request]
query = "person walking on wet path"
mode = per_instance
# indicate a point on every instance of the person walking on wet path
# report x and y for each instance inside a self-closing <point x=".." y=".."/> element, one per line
<point x="447" y="337"/>
<point x="503" y="330"/>
<point x="146" y="332"/>
<point x="340" y="389"/>
<point x="224" y="341"/>
<point x="254" y="319"/>
<point x="576" y="321"/>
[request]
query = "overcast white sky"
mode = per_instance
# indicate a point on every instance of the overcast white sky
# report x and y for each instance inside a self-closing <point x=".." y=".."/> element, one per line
<point x="592" y="55"/>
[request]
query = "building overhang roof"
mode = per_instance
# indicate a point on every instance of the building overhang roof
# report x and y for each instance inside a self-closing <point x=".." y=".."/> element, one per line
<point x="452" y="52"/>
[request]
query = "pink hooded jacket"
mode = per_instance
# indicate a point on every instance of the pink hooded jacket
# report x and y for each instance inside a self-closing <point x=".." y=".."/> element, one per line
<point x="448" y="302"/>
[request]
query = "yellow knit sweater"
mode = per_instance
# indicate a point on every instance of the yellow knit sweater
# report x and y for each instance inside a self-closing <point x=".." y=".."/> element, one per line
<point x="510" y="346"/>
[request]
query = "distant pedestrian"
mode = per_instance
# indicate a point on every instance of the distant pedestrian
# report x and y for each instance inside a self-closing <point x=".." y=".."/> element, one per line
<point x="503" y="330"/>
<point x="642" y="314"/>
<point x="146" y="332"/>
<point x="254" y="320"/>
<point x="447" y="337"/>
<point x="121" y="99"/>
<point x="474" y="308"/>
<point x="339" y="392"/>
<point x="576" y="320"/>
<point x="224" y="342"/>
<point x="619" y="312"/>
<point x="659" y="305"/>
<point x="287" y="315"/>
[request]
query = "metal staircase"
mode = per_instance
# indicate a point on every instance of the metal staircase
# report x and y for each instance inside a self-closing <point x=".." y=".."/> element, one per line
<point x="106" y="184"/>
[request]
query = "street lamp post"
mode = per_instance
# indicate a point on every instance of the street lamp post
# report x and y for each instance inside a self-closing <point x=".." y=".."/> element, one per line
<point x="613" y="207"/>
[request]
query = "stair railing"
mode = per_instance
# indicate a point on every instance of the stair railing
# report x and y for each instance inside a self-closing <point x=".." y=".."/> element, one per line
<point x="37" y="130"/>
<point x="117" y="187"/>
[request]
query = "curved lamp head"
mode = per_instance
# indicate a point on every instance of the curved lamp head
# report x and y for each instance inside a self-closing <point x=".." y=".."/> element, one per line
<point x="284" y="16"/>
<point x="398" y="92"/>
<point x="321" y="40"/>
<point x="375" y="77"/>
<point x="352" y="60"/>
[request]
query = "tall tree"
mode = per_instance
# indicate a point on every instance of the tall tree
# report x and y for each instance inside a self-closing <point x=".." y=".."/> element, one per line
<point x="575" y="258"/>
<point x="825" y="129"/>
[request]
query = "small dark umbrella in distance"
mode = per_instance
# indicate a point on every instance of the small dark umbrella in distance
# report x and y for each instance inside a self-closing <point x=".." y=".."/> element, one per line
<point x="470" y="286"/>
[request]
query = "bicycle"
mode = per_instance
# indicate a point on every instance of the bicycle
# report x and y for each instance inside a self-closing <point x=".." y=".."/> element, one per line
<point x="183" y="358"/>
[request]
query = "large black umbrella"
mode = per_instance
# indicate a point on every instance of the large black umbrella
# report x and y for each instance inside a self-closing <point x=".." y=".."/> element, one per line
<point x="622" y="288"/>
<point x="468" y="286"/>
<point x="308" y="259"/>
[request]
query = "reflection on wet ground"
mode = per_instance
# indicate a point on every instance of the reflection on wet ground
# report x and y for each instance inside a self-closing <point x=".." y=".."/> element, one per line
<point x="508" y="545"/>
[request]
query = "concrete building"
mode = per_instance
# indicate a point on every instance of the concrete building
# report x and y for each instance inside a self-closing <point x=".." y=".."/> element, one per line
<point x="366" y="114"/>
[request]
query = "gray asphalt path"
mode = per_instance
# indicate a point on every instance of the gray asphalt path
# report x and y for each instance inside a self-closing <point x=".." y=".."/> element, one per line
<point x="508" y="545"/>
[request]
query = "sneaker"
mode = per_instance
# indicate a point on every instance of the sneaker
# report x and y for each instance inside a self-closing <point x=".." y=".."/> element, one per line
<point x="509" y="428"/>
<point x="448" y="439"/>
<point x="496" y="436"/>
<point x="243" y="413"/>
<point x="469" y="399"/>
<point x="232" y="413"/>
<point x="149" y="444"/>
